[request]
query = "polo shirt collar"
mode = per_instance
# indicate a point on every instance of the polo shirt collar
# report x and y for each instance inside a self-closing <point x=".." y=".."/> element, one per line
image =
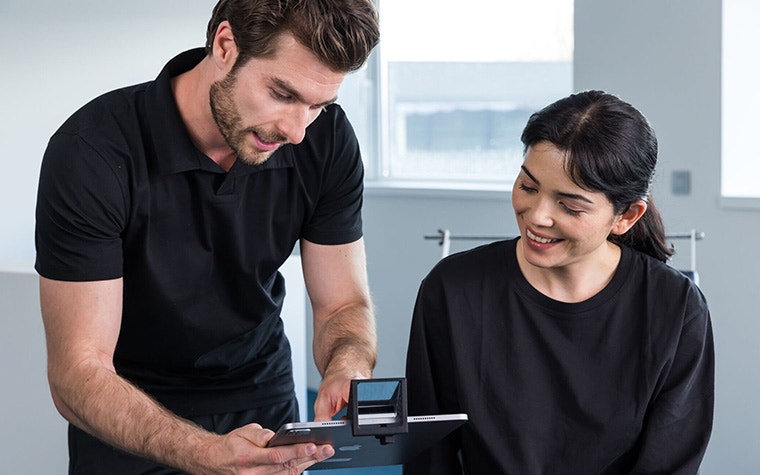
<point x="174" y="150"/>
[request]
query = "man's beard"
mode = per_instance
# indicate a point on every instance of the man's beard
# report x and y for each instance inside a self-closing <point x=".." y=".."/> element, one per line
<point x="230" y="123"/>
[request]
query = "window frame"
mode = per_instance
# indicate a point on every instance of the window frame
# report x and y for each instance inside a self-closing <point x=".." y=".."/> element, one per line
<point x="376" y="141"/>
<point x="736" y="77"/>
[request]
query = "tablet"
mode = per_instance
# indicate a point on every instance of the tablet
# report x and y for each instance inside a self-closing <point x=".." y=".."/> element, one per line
<point x="367" y="450"/>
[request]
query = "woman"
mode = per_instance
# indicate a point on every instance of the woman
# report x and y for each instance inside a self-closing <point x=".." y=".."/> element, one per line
<point x="574" y="349"/>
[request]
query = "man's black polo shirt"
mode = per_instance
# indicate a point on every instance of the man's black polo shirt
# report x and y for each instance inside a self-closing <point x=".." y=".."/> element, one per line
<point x="123" y="192"/>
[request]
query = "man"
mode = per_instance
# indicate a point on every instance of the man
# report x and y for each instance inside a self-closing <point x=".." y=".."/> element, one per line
<point x="164" y="212"/>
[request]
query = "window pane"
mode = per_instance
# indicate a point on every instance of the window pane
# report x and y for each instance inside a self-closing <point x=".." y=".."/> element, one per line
<point x="458" y="87"/>
<point x="741" y="99"/>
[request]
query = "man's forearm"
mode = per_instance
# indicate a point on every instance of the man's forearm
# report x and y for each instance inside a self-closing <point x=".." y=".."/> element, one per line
<point x="346" y="342"/>
<point x="109" y="407"/>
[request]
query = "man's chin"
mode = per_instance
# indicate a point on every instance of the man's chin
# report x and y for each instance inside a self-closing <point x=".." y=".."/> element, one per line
<point x="255" y="158"/>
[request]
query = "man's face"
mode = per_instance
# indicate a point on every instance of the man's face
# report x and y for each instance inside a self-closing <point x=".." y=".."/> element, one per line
<point x="269" y="102"/>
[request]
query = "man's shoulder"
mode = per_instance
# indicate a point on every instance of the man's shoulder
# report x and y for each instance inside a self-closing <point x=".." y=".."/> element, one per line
<point x="115" y="107"/>
<point x="112" y="124"/>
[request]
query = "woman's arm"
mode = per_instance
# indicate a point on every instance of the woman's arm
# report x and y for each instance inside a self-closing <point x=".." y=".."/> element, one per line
<point x="428" y="358"/>
<point x="678" y="424"/>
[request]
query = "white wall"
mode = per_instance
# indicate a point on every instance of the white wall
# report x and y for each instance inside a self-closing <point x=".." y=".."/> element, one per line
<point x="59" y="55"/>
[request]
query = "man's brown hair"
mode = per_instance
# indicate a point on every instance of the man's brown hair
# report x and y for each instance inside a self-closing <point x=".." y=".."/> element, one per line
<point x="341" y="33"/>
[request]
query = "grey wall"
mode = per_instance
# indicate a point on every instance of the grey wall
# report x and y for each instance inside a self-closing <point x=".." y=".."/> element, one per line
<point x="32" y="434"/>
<point x="663" y="56"/>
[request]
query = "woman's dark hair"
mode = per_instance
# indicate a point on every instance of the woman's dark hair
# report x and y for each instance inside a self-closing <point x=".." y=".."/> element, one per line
<point x="610" y="148"/>
<point x="341" y="33"/>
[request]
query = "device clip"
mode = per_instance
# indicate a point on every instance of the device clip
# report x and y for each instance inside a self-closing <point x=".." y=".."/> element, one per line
<point x="377" y="407"/>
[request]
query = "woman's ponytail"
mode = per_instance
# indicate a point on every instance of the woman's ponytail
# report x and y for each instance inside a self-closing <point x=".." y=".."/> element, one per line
<point x="647" y="235"/>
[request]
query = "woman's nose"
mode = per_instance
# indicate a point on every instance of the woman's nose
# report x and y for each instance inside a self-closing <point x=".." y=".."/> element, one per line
<point x="541" y="213"/>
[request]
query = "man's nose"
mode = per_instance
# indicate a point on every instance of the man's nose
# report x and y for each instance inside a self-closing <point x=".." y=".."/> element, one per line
<point x="293" y="125"/>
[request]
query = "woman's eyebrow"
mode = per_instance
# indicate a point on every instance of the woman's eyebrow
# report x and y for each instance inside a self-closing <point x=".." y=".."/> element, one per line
<point x="574" y="196"/>
<point x="571" y="196"/>
<point x="530" y="175"/>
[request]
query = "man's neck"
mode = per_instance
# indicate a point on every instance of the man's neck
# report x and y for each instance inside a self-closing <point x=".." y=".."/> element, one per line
<point x="191" y="94"/>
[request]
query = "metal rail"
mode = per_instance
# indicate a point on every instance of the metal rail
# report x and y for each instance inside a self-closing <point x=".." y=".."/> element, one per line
<point x="444" y="238"/>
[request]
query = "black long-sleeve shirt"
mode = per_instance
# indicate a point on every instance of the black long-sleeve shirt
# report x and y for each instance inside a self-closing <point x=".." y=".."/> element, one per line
<point x="620" y="383"/>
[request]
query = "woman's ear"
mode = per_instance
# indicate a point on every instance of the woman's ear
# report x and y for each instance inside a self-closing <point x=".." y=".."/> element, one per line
<point x="625" y="221"/>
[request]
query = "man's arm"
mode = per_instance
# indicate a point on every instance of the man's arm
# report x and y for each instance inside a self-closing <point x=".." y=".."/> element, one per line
<point x="82" y="322"/>
<point x="345" y="341"/>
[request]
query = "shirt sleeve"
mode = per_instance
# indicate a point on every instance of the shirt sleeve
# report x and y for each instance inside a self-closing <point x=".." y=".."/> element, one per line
<point x="679" y="422"/>
<point x="337" y="216"/>
<point x="80" y="213"/>
<point x="429" y="391"/>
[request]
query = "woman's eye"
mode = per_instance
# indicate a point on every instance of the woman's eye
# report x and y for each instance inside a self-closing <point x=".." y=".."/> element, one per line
<point x="570" y="211"/>
<point x="526" y="188"/>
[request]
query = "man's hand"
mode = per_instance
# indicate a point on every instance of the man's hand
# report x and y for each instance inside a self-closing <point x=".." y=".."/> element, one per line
<point x="244" y="451"/>
<point x="333" y="394"/>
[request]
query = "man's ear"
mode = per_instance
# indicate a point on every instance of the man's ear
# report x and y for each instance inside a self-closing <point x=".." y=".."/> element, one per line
<point x="625" y="221"/>
<point x="224" y="49"/>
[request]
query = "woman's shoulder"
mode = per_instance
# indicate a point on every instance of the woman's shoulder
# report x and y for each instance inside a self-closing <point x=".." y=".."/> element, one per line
<point x="661" y="278"/>
<point x="463" y="265"/>
<point x="654" y="268"/>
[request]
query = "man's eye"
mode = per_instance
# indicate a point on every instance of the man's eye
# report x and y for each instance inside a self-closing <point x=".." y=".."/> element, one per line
<point x="526" y="188"/>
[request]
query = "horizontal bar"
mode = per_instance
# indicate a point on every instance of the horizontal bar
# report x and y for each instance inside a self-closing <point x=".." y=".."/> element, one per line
<point x="699" y="235"/>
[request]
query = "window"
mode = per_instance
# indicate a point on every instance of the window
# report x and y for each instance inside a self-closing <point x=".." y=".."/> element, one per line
<point x="451" y="88"/>
<point x="740" y="100"/>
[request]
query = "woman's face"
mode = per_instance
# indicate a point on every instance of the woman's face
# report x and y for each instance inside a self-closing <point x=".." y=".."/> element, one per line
<point x="561" y="224"/>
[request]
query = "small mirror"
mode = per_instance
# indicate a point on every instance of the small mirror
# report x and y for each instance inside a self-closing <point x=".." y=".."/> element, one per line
<point x="377" y="401"/>
<point x="378" y="407"/>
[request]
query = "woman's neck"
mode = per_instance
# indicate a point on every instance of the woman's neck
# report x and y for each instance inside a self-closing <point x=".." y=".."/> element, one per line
<point x="575" y="282"/>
